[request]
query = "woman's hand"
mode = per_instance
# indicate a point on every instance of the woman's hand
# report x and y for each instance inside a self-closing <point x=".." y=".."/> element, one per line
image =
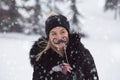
<point x="65" y="68"/>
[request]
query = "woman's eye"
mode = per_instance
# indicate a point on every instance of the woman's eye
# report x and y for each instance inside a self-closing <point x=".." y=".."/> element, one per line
<point x="62" y="32"/>
<point x="53" y="34"/>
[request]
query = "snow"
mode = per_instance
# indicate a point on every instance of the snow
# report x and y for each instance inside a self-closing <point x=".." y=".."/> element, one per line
<point x="24" y="13"/>
<point x="28" y="3"/>
<point x="103" y="42"/>
<point x="4" y="6"/>
<point x="14" y="59"/>
<point x="25" y="3"/>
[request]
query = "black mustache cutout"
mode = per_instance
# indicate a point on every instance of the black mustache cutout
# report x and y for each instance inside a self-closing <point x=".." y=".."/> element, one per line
<point x="60" y="41"/>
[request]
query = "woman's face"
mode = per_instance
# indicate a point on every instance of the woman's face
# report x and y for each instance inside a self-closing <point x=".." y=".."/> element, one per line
<point x="58" y="37"/>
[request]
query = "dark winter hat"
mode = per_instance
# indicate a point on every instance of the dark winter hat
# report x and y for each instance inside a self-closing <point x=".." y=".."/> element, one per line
<point x="54" y="21"/>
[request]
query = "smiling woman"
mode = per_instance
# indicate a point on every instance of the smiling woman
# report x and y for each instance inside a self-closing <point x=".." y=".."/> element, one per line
<point x="61" y="55"/>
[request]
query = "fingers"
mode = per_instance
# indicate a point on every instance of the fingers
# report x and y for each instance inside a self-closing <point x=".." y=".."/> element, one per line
<point x="67" y="66"/>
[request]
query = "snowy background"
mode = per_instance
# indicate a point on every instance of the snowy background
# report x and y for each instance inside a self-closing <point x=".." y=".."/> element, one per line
<point x="103" y="41"/>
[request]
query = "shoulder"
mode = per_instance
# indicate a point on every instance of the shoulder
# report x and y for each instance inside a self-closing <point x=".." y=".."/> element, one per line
<point x="37" y="47"/>
<point x="77" y="46"/>
<point x="75" y="40"/>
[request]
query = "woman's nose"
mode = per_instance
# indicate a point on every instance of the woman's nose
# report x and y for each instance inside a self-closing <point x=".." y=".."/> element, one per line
<point x="59" y="36"/>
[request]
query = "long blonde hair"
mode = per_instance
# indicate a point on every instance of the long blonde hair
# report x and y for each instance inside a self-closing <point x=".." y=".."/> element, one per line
<point x="46" y="47"/>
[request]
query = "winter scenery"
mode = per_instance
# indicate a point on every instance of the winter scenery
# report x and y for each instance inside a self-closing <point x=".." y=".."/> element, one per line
<point x="103" y="41"/>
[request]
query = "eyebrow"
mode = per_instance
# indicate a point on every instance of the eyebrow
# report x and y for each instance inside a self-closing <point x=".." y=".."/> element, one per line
<point x="52" y="32"/>
<point x="62" y="29"/>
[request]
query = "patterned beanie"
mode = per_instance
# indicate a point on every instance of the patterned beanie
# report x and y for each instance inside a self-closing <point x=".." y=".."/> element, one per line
<point x="54" y="21"/>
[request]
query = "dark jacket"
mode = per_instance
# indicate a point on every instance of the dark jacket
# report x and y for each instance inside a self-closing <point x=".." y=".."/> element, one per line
<point x="79" y="59"/>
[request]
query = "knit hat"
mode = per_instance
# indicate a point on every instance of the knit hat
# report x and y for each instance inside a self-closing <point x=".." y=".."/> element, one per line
<point x="54" y="21"/>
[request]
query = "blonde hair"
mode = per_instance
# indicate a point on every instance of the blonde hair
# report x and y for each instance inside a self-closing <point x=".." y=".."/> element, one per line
<point x="46" y="45"/>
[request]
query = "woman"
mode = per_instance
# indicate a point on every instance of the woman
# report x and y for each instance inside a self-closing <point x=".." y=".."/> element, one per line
<point x="61" y="55"/>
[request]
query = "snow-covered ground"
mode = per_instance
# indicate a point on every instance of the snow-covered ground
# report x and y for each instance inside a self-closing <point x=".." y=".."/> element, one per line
<point x="14" y="58"/>
<point x="103" y="42"/>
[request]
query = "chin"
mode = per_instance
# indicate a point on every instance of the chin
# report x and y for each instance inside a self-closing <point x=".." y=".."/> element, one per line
<point x="61" y="48"/>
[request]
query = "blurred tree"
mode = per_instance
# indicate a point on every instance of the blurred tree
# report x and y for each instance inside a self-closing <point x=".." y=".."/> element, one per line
<point x="31" y="24"/>
<point x="75" y="15"/>
<point x="113" y="5"/>
<point x="28" y="16"/>
<point x="8" y="17"/>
